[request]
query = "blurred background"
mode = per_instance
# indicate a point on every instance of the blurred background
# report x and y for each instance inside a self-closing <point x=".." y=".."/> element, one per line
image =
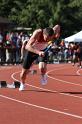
<point x="19" y="18"/>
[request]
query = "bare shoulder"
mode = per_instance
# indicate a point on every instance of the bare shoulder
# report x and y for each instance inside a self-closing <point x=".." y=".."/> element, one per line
<point x="35" y="36"/>
<point x="37" y="32"/>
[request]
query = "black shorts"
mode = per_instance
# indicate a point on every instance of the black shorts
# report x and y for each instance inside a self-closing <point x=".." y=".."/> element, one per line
<point x="78" y="55"/>
<point x="29" y="59"/>
<point x="43" y="59"/>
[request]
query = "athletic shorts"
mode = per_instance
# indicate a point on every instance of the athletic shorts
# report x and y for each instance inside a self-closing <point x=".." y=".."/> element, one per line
<point x="43" y="59"/>
<point x="78" y="55"/>
<point x="29" y="59"/>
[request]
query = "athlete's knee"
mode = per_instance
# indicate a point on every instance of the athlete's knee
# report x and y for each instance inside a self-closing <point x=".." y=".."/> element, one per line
<point x="41" y="65"/>
<point x="43" y="71"/>
<point x="23" y="74"/>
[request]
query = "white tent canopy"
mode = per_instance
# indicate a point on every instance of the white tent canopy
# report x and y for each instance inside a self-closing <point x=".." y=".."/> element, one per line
<point x="74" y="38"/>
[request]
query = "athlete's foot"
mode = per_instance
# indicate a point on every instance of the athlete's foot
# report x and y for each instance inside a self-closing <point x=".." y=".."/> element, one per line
<point x="22" y="87"/>
<point x="44" y="79"/>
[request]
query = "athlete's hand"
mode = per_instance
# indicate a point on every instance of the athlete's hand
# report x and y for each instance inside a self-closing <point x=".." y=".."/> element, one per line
<point x="41" y="53"/>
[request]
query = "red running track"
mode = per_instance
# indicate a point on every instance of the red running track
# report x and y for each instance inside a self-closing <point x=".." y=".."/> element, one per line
<point x="59" y="102"/>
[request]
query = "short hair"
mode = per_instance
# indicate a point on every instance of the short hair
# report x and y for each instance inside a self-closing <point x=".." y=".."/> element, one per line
<point x="48" y="31"/>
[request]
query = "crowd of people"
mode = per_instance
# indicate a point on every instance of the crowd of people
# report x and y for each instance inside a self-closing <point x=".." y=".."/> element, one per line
<point x="10" y="47"/>
<point x="75" y="53"/>
<point x="12" y="52"/>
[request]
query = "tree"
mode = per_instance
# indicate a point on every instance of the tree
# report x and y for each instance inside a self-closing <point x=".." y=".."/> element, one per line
<point x="44" y="13"/>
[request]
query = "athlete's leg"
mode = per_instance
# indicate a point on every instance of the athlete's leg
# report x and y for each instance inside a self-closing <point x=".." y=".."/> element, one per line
<point x="43" y="69"/>
<point x="28" y="60"/>
<point x="23" y="75"/>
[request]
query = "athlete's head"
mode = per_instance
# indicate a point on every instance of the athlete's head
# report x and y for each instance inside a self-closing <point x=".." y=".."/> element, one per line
<point x="48" y="33"/>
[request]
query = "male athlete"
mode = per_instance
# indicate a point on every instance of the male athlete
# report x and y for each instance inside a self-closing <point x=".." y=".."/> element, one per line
<point x="35" y="46"/>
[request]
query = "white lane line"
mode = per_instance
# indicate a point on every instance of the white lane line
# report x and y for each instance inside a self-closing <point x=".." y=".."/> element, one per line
<point x="62" y="80"/>
<point x="53" y="91"/>
<point x="55" y="78"/>
<point x="4" y="67"/>
<point x="41" y="107"/>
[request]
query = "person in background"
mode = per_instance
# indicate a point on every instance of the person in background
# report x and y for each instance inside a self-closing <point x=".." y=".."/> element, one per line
<point x="76" y="53"/>
<point x="1" y="48"/>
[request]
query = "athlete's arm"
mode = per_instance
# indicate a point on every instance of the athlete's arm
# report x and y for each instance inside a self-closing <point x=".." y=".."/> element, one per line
<point x="32" y="40"/>
<point x="56" y="29"/>
<point x="23" y="48"/>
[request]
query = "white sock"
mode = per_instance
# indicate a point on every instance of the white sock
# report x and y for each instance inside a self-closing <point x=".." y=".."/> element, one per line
<point x="21" y="83"/>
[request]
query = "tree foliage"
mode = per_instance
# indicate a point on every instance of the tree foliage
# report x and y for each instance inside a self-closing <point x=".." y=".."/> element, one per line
<point x="43" y="13"/>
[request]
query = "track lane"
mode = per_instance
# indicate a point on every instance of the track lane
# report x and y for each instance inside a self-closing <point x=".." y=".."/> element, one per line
<point x="34" y="95"/>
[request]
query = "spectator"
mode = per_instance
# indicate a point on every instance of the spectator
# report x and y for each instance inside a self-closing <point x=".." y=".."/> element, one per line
<point x="1" y="48"/>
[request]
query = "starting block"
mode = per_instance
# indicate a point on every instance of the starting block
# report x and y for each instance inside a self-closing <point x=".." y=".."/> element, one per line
<point x="15" y="84"/>
<point x="3" y="84"/>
